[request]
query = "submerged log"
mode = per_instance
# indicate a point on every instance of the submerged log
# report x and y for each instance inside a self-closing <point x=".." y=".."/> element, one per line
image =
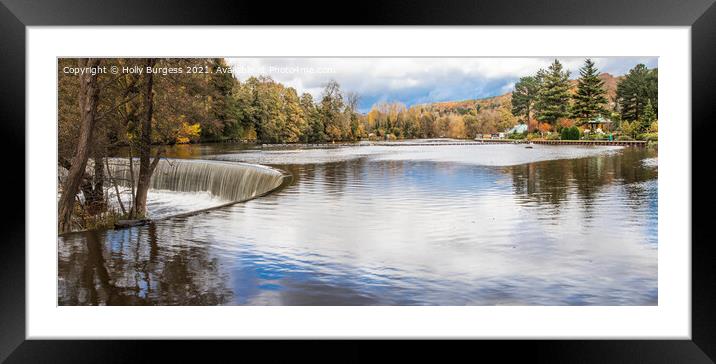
<point x="129" y="223"/>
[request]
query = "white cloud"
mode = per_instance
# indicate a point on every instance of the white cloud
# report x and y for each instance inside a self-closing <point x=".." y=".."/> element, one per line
<point x="413" y="80"/>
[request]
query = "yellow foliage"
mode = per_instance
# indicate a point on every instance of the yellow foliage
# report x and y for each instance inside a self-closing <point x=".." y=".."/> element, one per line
<point x="654" y="127"/>
<point x="373" y="116"/>
<point x="188" y="132"/>
<point x="456" y="127"/>
<point x="250" y="134"/>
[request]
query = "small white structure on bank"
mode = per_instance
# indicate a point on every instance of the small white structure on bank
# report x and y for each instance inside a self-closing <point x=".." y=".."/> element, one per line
<point x="517" y="129"/>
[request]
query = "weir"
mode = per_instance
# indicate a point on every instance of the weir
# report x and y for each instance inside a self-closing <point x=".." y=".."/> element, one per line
<point x="229" y="181"/>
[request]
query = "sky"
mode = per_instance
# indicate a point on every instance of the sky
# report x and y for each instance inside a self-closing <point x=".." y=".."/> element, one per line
<point x="415" y="80"/>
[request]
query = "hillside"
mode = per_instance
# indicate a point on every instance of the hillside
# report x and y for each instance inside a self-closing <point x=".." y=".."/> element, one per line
<point x="610" y="84"/>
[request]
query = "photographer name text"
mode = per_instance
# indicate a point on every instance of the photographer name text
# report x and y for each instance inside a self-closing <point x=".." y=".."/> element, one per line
<point x="138" y="70"/>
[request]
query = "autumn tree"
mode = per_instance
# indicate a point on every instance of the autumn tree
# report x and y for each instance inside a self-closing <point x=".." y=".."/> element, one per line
<point x="314" y="129"/>
<point x="92" y="182"/>
<point x="88" y="97"/>
<point x="331" y="108"/>
<point x="456" y="126"/>
<point x="412" y="122"/>
<point x="471" y="126"/>
<point x="426" y="125"/>
<point x="488" y="121"/>
<point x="295" y="120"/>
<point x="146" y="167"/>
<point x="355" y="130"/>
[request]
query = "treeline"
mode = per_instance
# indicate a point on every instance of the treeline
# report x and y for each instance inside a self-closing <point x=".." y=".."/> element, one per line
<point x="547" y="100"/>
<point x="262" y="110"/>
<point x="135" y="109"/>
<point x="269" y="112"/>
<point x="441" y="120"/>
<point x="158" y="102"/>
<point x="179" y="101"/>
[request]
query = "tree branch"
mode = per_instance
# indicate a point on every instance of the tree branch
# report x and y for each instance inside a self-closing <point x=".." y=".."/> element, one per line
<point x="115" y="107"/>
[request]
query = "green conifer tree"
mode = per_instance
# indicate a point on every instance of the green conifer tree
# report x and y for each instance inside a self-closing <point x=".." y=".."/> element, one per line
<point x="553" y="97"/>
<point x="648" y="117"/>
<point x="524" y="97"/>
<point x="638" y="87"/>
<point x="590" y="97"/>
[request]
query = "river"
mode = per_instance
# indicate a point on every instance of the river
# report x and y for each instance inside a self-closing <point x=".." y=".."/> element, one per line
<point x="404" y="224"/>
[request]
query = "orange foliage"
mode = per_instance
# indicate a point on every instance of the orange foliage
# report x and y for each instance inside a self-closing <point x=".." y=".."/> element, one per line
<point x="532" y="125"/>
<point x="566" y="123"/>
<point x="544" y="127"/>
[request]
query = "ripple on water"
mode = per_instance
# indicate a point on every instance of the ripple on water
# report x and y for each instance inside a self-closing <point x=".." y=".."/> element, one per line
<point x="484" y="154"/>
<point x="402" y="226"/>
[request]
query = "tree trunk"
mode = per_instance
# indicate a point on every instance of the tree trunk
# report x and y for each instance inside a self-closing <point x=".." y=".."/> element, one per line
<point x="145" y="143"/>
<point x="529" y="119"/>
<point x="116" y="188"/>
<point x="88" y="97"/>
<point x="93" y="188"/>
<point x="130" y="122"/>
<point x="133" y="207"/>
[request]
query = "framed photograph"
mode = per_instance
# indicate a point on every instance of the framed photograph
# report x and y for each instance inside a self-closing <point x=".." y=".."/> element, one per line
<point x="520" y="171"/>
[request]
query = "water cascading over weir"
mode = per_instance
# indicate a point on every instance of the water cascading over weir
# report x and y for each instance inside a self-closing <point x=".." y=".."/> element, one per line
<point x="227" y="180"/>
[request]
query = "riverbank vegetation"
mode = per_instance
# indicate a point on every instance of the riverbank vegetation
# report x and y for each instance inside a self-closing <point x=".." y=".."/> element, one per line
<point x="547" y="102"/>
<point x="157" y="102"/>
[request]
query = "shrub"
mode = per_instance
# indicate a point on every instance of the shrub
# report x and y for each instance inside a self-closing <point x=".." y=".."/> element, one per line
<point x="552" y="136"/>
<point x="570" y="133"/>
<point x="625" y="137"/>
<point x="649" y="137"/>
<point x="629" y="129"/>
<point x="654" y="127"/>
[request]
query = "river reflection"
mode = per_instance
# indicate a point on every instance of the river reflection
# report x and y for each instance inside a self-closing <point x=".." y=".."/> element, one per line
<point x="438" y="225"/>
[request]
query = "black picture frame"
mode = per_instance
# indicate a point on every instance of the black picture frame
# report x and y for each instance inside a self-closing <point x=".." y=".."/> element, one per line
<point x="16" y="15"/>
